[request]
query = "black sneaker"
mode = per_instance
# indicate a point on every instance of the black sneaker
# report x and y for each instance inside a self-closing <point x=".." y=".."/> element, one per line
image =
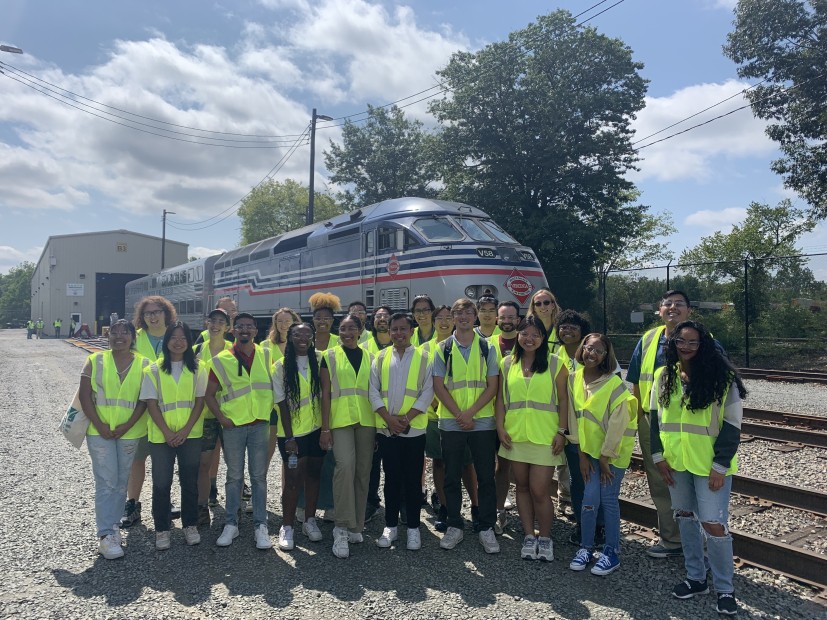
<point x="131" y="513"/>
<point x="441" y="521"/>
<point x="599" y="536"/>
<point x="246" y="492"/>
<point x="435" y="503"/>
<point x="574" y="537"/>
<point x="727" y="604"/>
<point x="203" y="517"/>
<point x="690" y="588"/>
<point x="174" y="511"/>
<point x="475" y="518"/>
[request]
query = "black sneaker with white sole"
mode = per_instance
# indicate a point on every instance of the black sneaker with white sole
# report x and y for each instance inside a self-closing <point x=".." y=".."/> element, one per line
<point x="727" y="604"/>
<point x="690" y="588"/>
<point x="131" y="513"/>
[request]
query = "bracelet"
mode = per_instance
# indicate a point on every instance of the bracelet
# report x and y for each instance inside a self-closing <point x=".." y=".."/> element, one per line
<point x="325" y="431"/>
<point x="562" y="432"/>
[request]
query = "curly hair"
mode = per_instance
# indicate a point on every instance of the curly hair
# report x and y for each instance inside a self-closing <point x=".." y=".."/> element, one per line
<point x="170" y="316"/>
<point x="330" y="301"/>
<point x="710" y="372"/>
<point x="540" y="363"/>
<point x="572" y="317"/>
<point x="292" y="389"/>
<point x="274" y="336"/>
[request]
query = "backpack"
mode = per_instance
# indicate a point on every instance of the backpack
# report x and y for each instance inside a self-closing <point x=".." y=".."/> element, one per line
<point x="449" y="346"/>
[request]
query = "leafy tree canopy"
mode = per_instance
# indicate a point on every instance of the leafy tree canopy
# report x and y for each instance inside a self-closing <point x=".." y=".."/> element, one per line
<point x="16" y="293"/>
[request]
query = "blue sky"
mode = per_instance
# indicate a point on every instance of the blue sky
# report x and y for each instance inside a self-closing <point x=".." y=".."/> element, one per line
<point x="259" y="67"/>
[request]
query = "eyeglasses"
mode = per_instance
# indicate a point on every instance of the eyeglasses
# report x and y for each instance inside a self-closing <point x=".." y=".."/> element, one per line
<point x="488" y="311"/>
<point x="245" y="328"/>
<point x="323" y="319"/>
<point x="668" y="303"/>
<point x="691" y="345"/>
<point x="545" y="302"/>
<point x="443" y="318"/>
<point x="569" y="328"/>
<point x="297" y="336"/>
<point x="152" y="313"/>
<point x="178" y="339"/>
<point x="590" y="349"/>
<point x="359" y="312"/>
<point x="422" y="311"/>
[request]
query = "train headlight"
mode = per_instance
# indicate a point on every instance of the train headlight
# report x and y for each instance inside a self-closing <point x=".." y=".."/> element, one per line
<point x="471" y="292"/>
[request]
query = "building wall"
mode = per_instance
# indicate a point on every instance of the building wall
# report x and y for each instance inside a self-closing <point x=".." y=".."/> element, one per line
<point x="76" y="259"/>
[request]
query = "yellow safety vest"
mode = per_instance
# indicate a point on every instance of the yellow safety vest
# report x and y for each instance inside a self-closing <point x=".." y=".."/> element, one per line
<point x="204" y="358"/>
<point x="175" y="400"/>
<point x="275" y="352"/>
<point x="416" y="338"/>
<point x="372" y="346"/>
<point x="249" y="397"/>
<point x="467" y="380"/>
<point x="430" y="348"/>
<point x="648" y="353"/>
<point x="115" y="400"/>
<point x="531" y="407"/>
<point x="144" y="346"/>
<point x="349" y="401"/>
<point x="593" y="416"/>
<point x="688" y="436"/>
<point x="308" y="418"/>
<point x="334" y="340"/>
<point x="414" y="383"/>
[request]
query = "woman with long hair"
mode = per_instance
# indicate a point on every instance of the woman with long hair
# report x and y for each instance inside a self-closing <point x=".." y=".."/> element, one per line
<point x="297" y="391"/>
<point x="544" y="306"/>
<point x="422" y="309"/>
<point x="695" y="436"/>
<point x="174" y="394"/>
<point x="530" y="409"/>
<point x="283" y="318"/>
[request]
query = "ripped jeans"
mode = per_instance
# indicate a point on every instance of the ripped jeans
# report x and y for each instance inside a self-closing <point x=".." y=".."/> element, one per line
<point x="691" y="495"/>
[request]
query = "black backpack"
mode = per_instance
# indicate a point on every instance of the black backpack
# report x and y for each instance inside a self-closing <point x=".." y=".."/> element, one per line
<point x="449" y="347"/>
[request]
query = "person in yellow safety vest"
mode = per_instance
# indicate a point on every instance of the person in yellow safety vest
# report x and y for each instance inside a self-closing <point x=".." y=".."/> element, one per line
<point x="544" y="304"/>
<point x="606" y="429"/>
<point x="218" y="324"/>
<point x="173" y="389"/>
<point x="241" y="378"/>
<point x="349" y="429"/>
<point x="110" y="384"/>
<point x="228" y="305"/>
<point x="380" y="333"/>
<point x="533" y="391"/>
<point x="39" y="326"/>
<point x="57" y="325"/>
<point x="360" y="310"/>
<point x="283" y="318"/>
<point x="487" y="313"/>
<point x="29" y="329"/>
<point x="465" y="382"/>
<point x="73" y="325"/>
<point x="401" y="389"/>
<point x="297" y="391"/>
<point x="152" y="316"/>
<point x="422" y="310"/>
<point x="697" y="408"/>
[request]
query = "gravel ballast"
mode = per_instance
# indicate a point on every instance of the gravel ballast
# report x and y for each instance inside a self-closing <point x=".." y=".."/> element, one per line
<point x="52" y="568"/>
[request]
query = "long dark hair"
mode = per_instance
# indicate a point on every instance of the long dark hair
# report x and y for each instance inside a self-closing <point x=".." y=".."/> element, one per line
<point x="540" y="363"/>
<point x="190" y="363"/>
<point x="292" y="389"/>
<point x="710" y="372"/>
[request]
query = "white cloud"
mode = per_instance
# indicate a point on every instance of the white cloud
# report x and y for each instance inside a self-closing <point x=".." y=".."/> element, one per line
<point x="711" y="220"/>
<point x="694" y="155"/>
<point x="199" y="251"/>
<point x="12" y="257"/>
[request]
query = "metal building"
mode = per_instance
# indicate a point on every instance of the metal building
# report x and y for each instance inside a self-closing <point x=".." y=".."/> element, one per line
<point x="82" y="276"/>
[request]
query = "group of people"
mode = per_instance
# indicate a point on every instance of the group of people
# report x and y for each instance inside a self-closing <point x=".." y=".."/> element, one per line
<point x="35" y="328"/>
<point x="487" y="395"/>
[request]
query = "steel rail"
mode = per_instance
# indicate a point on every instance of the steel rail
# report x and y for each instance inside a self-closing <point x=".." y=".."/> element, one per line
<point x="792" y="376"/>
<point x="799" y="420"/>
<point x="786" y="434"/>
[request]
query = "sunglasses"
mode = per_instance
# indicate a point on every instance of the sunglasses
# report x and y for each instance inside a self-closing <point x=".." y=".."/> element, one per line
<point x="545" y="302"/>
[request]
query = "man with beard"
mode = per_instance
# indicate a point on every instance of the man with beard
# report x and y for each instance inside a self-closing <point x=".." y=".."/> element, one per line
<point x="381" y="330"/>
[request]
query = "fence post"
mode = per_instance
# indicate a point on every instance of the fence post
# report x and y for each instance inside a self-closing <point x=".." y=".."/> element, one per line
<point x="746" y="312"/>
<point x="668" y="267"/>
<point x="604" y="275"/>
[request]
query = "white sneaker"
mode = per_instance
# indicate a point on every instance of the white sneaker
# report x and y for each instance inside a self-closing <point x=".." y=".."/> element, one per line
<point x="329" y="515"/>
<point x="414" y="539"/>
<point x="545" y="549"/>
<point x="191" y="535"/>
<point x="389" y="535"/>
<point x="227" y="537"/>
<point x="501" y="522"/>
<point x="109" y="548"/>
<point x="262" y="537"/>
<point x="162" y="540"/>
<point x="300" y="515"/>
<point x="488" y="540"/>
<point x="529" y="550"/>
<point x="355" y="537"/>
<point x="451" y="538"/>
<point x="340" y="542"/>
<point x="117" y="529"/>
<point x="286" y="538"/>
<point x="311" y="530"/>
<point x="509" y="505"/>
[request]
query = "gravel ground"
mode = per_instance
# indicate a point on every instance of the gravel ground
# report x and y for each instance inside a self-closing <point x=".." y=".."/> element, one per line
<point x="52" y="569"/>
<point x="807" y="398"/>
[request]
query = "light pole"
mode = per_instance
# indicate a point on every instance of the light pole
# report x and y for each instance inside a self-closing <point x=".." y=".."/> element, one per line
<point x="164" y="235"/>
<point x="312" y="196"/>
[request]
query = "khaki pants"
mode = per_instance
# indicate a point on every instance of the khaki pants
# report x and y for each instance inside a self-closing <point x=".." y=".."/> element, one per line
<point x="670" y="536"/>
<point x="353" y="451"/>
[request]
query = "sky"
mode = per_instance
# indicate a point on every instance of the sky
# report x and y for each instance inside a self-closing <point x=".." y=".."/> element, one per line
<point x="246" y="74"/>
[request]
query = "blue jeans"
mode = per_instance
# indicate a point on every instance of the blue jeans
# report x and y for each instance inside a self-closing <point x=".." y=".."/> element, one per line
<point x="597" y="496"/>
<point x="252" y="441"/>
<point x="111" y="462"/>
<point x="576" y="486"/>
<point x="691" y="495"/>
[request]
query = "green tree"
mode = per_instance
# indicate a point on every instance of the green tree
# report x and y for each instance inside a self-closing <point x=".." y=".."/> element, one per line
<point x="274" y="208"/>
<point x="784" y="43"/>
<point x="388" y="156"/>
<point x="16" y="293"/>
<point x="536" y="132"/>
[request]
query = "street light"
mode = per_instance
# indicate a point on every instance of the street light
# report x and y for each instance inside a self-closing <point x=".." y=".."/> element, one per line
<point x="164" y="235"/>
<point x="311" y="198"/>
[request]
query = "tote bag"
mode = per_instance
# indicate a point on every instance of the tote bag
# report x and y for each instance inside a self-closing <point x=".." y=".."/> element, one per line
<point x="74" y="423"/>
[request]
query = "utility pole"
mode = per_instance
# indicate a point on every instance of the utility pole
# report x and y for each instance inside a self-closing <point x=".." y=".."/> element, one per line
<point x="164" y="235"/>
<point x="312" y="196"/>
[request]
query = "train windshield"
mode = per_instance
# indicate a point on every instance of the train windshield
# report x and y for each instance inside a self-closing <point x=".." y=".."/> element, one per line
<point x="498" y="232"/>
<point x="437" y="229"/>
<point x="473" y="229"/>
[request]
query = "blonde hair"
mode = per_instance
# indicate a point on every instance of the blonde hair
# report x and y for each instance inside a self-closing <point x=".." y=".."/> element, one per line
<point x="554" y="311"/>
<point x="329" y="301"/>
<point x="274" y="336"/>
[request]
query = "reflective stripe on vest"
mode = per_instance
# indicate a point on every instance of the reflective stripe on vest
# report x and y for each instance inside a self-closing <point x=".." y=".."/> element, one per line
<point x="414" y="383"/>
<point x="249" y="397"/>
<point x="349" y="401"/>
<point x="467" y="380"/>
<point x="531" y="419"/>
<point x="307" y="418"/>
<point x="648" y="354"/>
<point x="115" y="400"/>
<point x="177" y="412"/>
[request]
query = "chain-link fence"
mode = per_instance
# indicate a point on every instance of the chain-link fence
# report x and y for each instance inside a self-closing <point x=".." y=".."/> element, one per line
<point x="767" y="313"/>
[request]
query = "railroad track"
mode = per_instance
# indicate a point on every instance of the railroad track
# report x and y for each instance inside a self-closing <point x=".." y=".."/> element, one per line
<point x="790" y="428"/>
<point x="789" y="376"/>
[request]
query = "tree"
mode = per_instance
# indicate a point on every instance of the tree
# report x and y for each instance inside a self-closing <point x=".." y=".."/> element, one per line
<point x="784" y="43"/>
<point x="645" y="247"/>
<point x="16" y="293"/>
<point x="387" y="157"/>
<point x="274" y="208"/>
<point x="536" y="132"/>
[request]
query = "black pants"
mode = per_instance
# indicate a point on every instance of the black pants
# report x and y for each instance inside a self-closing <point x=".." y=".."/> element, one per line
<point x="373" y="483"/>
<point x="483" y="446"/>
<point x="402" y="460"/>
<point x="163" y="464"/>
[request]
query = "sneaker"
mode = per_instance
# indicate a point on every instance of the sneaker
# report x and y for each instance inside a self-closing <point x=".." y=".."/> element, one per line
<point x="262" y="537"/>
<point x="607" y="563"/>
<point x="489" y="541"/>
<point x="659" y="551"/>
<point x="340" y="542"/>
<point x="475" y="518"/>
<point x="581" y="560"/>
<point x="690" y="588"/>
<point x="131" y="513"/>
<point x="286" y="538"/>
<point x="174" y="511"/>
<point x="191" y="535"/>
<point x="529" y="550"/>
<point x="203" y="517"/>
<point x="575" y="537"/>
<point x="545" y="549"/>
<point x="414" y="539"/>
<point x="246" y="491"/>
<point x="371" y="510"/>
<point x="109" y="548"/>
<point x="162" y="540"/>
<point x="389" y="535"/>
<point x="453" y="536"/>
<point x="441" y="521"/>
<point x="300" y="515"/>
<point x="509" y="505"/>
<point x="599" y="536"/>
<point x="435" y="503"/>
<point x="227" y="537"/>
<point x="117" y="534"/>
<point x="213" y="501"/>
<point x="311" y="530"/>
<point x="329" y="515"/>
<point x="727" y="604"/>
<point x="501" y="522"/>
<point x="355" y="538"/>
<point x="247" y="506"/>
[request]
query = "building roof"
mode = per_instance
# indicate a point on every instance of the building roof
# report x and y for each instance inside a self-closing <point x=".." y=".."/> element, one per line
<point x="120" y="231"/>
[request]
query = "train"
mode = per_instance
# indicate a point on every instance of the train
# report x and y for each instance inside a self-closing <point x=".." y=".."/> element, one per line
<point x="383" y="255"/>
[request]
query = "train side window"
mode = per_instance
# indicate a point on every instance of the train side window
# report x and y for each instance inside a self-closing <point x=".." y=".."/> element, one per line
<point x="199" y="306"/>
<point x="369" y="242"/>
<point x="190" y="274"/>
<point x="386" y="239"/>
<point x="437" y="229"/>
